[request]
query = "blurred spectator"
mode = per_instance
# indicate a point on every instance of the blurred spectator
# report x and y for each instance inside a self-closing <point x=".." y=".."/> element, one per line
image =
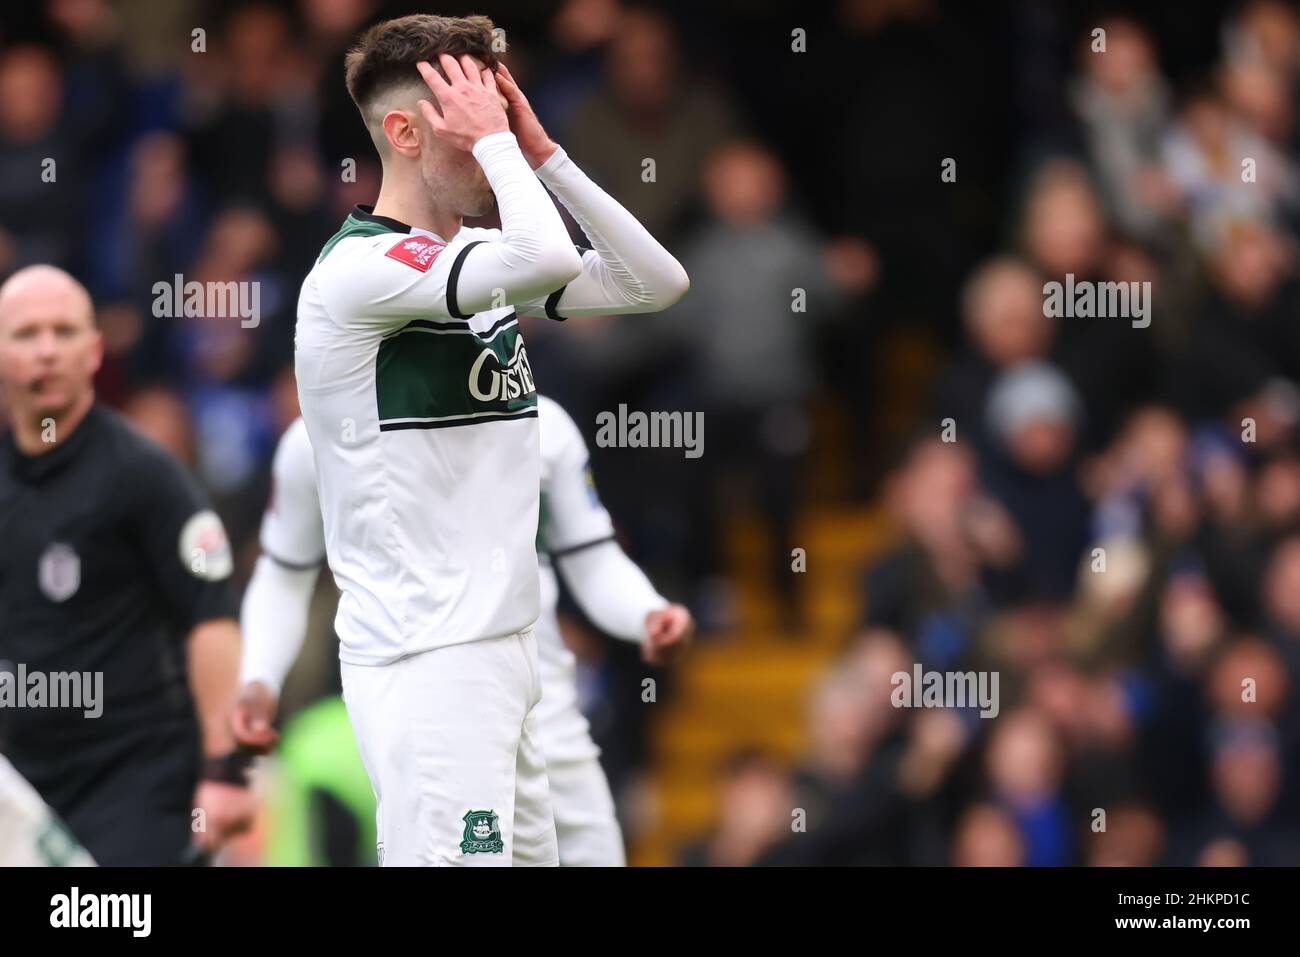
<point x="1002" y="309"/>
<point x="1247" y="347"/>
<point x="42" y="176"/>
<point x="1192" y="629"/>
<point x="163" y="418"/>
<point x="878" y="789"/>
<point x="96" y="84"/>
<point x="1228" y="539"/>
<point x="1205" y="154"/>
<point x="1134" y="837"/>
<point x="261" y="99"/>
<point x="154" y="226"/>
<point x="1246" y="777"/>
<point x="764" y="279"/>
<point x="1025" y="774"/>
<point x="987" y="837"/>
<point x="877" y="160"/>
<point x="1123" y="105"/>
<point x="329" y="27"/>
<point x="940" y="583"/>
<point x="657" y="109"/>
<point x="1266" y="32"/>
<point x="755" y="798"/>
<point x="1064" y="236"/>
<point x="1034" y="416"/>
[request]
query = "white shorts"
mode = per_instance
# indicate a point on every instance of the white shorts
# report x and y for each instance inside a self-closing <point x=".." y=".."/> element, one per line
<point x="585" y="822"/>
<point x="449" y="740"/>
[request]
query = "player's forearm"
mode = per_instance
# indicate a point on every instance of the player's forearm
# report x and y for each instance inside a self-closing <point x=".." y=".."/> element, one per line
<point x="274" y="621"/>
<point x="535" y="254"/>
<point x="635" y="273"/>
<point x="213" y="661"/>
<point x="611" y="589"/>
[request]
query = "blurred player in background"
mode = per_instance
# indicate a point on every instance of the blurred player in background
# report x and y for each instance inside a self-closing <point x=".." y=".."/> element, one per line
<point x="576" y="536"/>
<point x="31" y="835"/>
<point x="420" y="405"/>
<point x="114" y="563"/>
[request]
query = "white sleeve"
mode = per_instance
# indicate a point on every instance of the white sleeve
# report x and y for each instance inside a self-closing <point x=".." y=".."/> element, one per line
<point x="578" y="533"/>
<point x="273" y="617"/>
<point x="571" y="514"/>
<point x="293" y="532"/>
<point x="534" y="254"/>
<point x="627" y="270"/>
<point x="611" y="589"/>
<point x="385" y="281"/>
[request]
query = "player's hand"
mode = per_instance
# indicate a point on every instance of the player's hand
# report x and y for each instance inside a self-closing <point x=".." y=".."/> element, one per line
<point x="469" y="104"/>
<point x="254" y="714"/>
<point x="668" y="634"/>
<point x="228" y="810"/>
<point x="536" y="146"/>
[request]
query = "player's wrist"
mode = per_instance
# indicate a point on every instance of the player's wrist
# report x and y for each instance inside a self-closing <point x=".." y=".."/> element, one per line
<point x="495" y="126"/>
<point x="229" y="768"/>
<point x="542" y="156"/>
<point x="259" y="684"/>
<point x="550" y="169"/>
<point x="493" y="139"/>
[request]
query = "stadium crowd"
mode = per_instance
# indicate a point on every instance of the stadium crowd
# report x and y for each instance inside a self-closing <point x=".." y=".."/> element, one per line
<point x="1115" y="529"/>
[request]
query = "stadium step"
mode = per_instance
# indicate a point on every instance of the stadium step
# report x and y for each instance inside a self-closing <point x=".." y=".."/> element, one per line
<point x="749" y="689"/>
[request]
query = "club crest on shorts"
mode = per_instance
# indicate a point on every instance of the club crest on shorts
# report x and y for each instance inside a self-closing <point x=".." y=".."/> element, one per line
<point x="59" y="572"/>
<point x="482" y="833"/>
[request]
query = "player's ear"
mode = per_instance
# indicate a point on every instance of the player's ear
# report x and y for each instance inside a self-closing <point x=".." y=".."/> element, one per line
<point x="402" y="132"/>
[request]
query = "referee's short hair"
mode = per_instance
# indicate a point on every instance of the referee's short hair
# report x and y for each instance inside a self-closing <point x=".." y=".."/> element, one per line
<point x="43" y="278"/>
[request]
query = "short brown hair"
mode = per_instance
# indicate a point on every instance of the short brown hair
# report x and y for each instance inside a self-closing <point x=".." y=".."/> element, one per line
<point x="387" y="53"/>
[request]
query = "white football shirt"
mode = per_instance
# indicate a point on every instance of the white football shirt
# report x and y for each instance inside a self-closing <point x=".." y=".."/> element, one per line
<point x="420" y="404"/>
<point x="573" y="518"/>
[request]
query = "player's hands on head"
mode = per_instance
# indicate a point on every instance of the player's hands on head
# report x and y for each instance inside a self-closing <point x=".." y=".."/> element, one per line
<point x="668" y="634"/>
<point x="253" y="717"/>
<point x="469" y="104"/>
<point x="536" y="146"/>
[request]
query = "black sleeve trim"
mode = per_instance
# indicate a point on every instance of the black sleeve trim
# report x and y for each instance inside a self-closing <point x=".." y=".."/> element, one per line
<point x="453" y="308"/>
<point x="293" y="566"/>
<point x="562" y="552"/>
<point x="552" y="301"/>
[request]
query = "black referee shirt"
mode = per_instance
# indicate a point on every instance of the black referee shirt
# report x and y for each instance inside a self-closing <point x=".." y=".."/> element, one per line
<point x="109" y="555"/>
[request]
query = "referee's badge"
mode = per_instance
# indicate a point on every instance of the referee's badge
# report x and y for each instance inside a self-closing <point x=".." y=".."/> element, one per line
<point x="59" y="572"/>
<point x="204" y="547"/>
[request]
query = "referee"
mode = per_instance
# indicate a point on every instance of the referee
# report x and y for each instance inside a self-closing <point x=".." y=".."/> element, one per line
<point x="113" y="569"/>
